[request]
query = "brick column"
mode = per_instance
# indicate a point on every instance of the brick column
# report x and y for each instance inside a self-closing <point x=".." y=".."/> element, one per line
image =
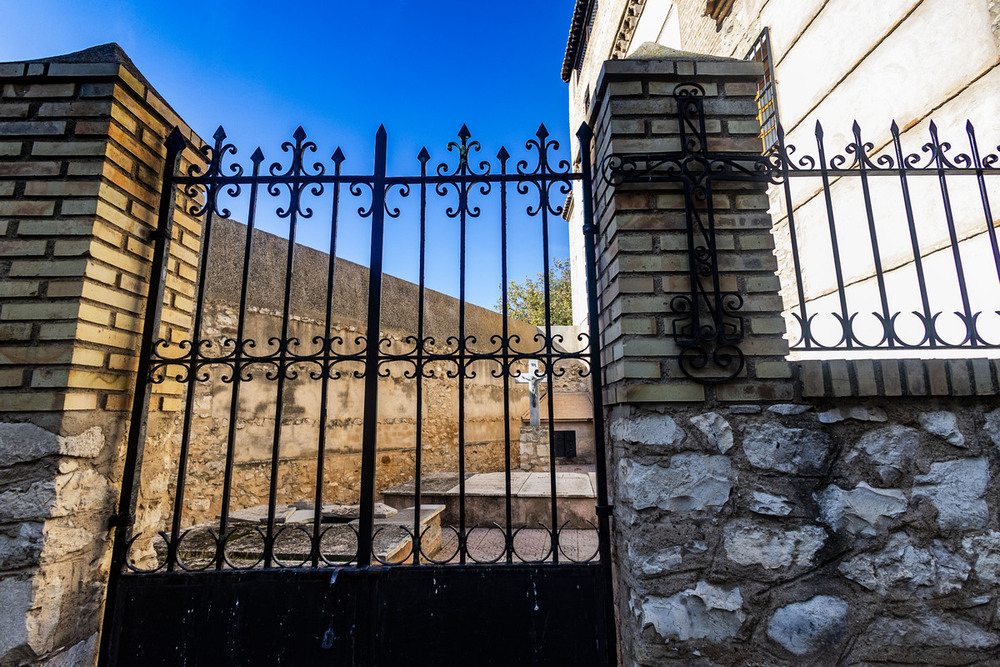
<point x="667" y="483"/>
<point x="81" y="161"/>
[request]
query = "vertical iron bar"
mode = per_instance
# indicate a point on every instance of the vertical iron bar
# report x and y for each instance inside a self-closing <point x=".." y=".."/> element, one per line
<point x="918" y="265"/>
<point x="793" y="239"/>
<point x="463" y="204"/>
<point x="505" y="351"/>
<point x="848" y="337"/>
<point x="949" y="216"/>
<point x="327" y="368"/>
<point x="603" y="509"/>
<point x="193" y="366"/>
<point x="295" y="192"/>
<point x="418" y="457"/>
<point x="366" y="520"/>
<point x="543" y="205"/>
<point x="125" y="515"/>
<point x="981" y="180"/>
<point x="887" y="328"/>
<point x="690" y="216"/>
<point x="227" y="480"/>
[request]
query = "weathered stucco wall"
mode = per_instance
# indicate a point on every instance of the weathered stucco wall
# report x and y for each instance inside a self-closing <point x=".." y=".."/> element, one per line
<point x="298" y="447"/>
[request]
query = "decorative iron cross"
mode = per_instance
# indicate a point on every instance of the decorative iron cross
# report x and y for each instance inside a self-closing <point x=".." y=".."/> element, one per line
<point x="531" y="379"/>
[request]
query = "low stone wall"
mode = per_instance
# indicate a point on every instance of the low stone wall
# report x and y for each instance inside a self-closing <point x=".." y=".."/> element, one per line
<point x="830" y="532"/>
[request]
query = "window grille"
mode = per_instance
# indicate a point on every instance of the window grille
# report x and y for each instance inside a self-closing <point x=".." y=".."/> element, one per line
<point x="767" y="101"/>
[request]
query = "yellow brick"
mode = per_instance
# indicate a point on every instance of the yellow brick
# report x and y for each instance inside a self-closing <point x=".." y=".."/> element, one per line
<point x="123" y="118"/>
<point x="663" y="392"/>
<point x="33" y="128"/>
<point x="10" y="332"/>
<point x="97" y="90"/>
<point x="120" y="220"/>
<point x="32" y="355"/>
<point x="85" y="167"/>
<point x="170" y="316"/>
<point x="61" y="188"/>
<point x="187" y="272"/>
<point x="58" y="330"/>
<point x="133" y="284"/>
<point x="84" y="69"/>
<point x="168" y="404"/>
<point x="118" y="402"/>
<point x="83" y="356"/>
<point x="39" y="311"/>
<point x="141" y="248"/>
<point x="48" y="267"/>
<point x="19" y="288"/>
<point x="11" y="377"/>
<point x="113" y="298"/>
<point x="128" y="323"/>
<point x="135" y="149"/>
<point x="86" y="207"/>
<point x="81" y="379"/>
<point x="183" y="303"/>
<point x="19" y="247"/>
<point x="39" y="90"/>
<point x="120" y="158"/>
<point x="121" y="362"/>
<point x="94" y="314"/>
<point x="80" y="401"/>
<point x="114" y="197"/>
<point x="26" y="207"/>
<point x="10" y="148"/>
<point x="119" y="259"/>
<point x="107" y="234"/>
<point x="169" y="387"/>
<point x="30" y="402"/>
<point x="68" y="148"/>
<point x="71" y="248"/>
<point x="75" y="109"/>
<point x="105" y="336"/>
<point x="33" y="168"/>
<point x="131" y="81"/>
<point x="6" y="188"/>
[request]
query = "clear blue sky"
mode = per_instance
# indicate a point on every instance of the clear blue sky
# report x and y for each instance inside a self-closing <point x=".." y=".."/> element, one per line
<point x="261" y="68"/>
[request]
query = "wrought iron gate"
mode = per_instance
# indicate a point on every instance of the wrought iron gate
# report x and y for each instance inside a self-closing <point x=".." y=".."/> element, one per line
<point x="216" y="587"/>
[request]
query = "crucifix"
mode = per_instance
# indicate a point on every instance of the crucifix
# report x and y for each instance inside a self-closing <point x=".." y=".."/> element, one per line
<point x="531" y="379"/>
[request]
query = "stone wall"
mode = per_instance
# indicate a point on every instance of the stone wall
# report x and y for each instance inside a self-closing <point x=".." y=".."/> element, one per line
<point x="818" y="513"/>
<point x="833" y="531"/>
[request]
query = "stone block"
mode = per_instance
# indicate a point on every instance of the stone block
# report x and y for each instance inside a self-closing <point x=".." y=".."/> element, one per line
<point x="811" y="627"/>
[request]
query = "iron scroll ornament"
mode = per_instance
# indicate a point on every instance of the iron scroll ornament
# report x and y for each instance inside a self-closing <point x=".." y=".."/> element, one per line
<point x="707" y="326"/>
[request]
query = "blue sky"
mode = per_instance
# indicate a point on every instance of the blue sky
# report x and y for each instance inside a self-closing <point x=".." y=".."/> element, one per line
<point x="339" y="69"/>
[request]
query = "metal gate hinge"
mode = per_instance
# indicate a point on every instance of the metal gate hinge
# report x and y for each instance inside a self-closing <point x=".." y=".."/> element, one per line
<point x="116" y="520"/>
<point x="605" y="510"/>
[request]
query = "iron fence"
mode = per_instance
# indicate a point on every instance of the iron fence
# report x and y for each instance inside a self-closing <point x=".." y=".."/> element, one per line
<point x="878" y="248"/>
<point x="368" y="357"/>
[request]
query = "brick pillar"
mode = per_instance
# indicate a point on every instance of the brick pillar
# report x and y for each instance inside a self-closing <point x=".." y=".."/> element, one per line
<point x="81" y="161"/>
<point x="669" y="433"/>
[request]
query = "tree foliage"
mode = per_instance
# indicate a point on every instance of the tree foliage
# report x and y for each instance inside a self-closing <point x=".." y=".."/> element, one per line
<point x="526" y="300"/>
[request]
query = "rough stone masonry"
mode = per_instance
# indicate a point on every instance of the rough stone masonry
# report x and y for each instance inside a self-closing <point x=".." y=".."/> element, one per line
<point x="813" y="513"/>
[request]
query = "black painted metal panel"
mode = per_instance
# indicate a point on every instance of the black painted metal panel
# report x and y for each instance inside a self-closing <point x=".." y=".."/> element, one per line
<point x="448" y="615"/>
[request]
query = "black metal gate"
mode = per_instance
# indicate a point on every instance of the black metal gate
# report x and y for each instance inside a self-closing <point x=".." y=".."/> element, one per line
<point x="208" y="585"/>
